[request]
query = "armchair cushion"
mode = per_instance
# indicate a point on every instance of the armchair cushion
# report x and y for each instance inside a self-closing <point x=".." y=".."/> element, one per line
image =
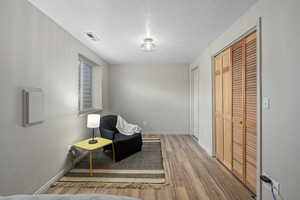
<point x="106" y="133"/>
<point x="127" y="145"/>
<point x="121" y="137"/>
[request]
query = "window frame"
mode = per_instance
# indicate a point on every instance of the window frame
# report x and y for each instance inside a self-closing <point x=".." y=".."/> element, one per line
<point x="92" y="65"/>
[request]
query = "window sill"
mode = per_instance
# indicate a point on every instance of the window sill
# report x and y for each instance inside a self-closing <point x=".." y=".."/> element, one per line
<point x="92" y="111"/>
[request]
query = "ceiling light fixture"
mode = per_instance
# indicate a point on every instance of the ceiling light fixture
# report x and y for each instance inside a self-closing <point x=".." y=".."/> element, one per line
<point x="148" y="45"/>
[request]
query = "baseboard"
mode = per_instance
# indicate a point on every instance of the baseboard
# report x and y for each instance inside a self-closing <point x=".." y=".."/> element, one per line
<point x="206" y="149"/>
<point x="164" y="133"/>
<point x="47" y="185"/>
<point x="60" y="174"/>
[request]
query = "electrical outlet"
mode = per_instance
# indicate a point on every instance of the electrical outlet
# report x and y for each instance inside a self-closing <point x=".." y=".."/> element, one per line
<point x="276" y="185"/>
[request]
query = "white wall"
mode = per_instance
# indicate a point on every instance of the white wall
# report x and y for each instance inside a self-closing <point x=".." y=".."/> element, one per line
<point x="156" y="94"/>
<point x="35" y="52"/>
<point x="280" y="69"/>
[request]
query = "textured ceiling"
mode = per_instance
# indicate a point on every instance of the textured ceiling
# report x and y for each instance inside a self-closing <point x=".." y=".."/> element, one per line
<point x="181" y="28"/>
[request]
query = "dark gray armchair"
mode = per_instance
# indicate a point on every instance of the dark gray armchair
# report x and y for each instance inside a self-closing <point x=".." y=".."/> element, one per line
<point x="124" y="145"/>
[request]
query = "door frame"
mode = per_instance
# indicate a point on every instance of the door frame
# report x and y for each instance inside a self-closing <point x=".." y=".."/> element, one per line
<point x="258" y="29"/>
<point x="191" y="124"/>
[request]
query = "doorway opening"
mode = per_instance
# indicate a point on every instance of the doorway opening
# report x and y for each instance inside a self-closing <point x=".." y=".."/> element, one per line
<point x="195" y="102"/>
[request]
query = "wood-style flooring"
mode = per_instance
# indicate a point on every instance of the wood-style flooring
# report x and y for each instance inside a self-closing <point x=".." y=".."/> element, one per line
<point x="193" y="173"/>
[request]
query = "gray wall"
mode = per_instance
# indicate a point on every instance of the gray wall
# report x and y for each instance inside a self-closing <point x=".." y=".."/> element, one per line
<point x="280" y="70"/>
<point x="155" y="94"/>
<point x="35" y="52"/>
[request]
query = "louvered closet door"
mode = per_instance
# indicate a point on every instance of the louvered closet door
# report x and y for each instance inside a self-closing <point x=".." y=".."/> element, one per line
<point x="238" y="65"/>
<point x="219" y="108"/>
<point x="227" y="107"/>
<point x="250" y="111"/>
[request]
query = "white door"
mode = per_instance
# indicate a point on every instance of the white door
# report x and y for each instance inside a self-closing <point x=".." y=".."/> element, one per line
<point x="195" y="102"/>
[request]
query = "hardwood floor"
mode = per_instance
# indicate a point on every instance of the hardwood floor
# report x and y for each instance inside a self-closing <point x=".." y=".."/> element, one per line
<point x="194" y="175"/>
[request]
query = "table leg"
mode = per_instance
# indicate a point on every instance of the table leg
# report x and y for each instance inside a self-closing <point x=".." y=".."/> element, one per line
<point x="91" y="163"/>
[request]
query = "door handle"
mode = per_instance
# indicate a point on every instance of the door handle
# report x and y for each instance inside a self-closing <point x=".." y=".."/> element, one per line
<point x="241" y="122"/>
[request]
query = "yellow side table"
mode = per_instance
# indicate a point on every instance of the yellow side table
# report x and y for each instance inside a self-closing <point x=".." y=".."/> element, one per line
<point x="102" y="142"/>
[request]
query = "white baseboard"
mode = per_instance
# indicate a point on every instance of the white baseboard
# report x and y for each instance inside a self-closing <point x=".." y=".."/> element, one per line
<point x="47" y="185"/>
<point x="60" y="174"/>
<point x="206" y="149"/>
<point x="163" y="133"/>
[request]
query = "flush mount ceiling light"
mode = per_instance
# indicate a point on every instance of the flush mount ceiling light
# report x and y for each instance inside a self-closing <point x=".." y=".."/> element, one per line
<point x="148" y="45"/>
<point x="91" y="35"/>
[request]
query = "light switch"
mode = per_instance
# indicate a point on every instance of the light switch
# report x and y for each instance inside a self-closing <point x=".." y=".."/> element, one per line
<point x="266" y="102"/>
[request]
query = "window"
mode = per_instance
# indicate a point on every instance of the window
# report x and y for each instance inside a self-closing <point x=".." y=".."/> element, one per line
<point x="90" y="86"/>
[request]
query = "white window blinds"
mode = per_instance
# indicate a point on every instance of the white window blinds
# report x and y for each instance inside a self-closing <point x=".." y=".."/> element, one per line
<point x="90" y="85"/>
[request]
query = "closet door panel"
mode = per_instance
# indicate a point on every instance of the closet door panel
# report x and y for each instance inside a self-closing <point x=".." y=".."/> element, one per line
<point x="250" y="111"/>
<point x="238" y="136"/>
<point x="238" y="61"/>
<point x="219" y="108"/>
<point x="251" y="155"/>
<point x="238" y="169"/>
<point x="235" y="109"/>
<point x="227" y="107"/>
<point x="238" y="153"/>
<point x="251" y="177"/>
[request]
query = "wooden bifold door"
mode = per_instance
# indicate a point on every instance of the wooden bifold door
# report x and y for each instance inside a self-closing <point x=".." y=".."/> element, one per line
<point x="235" y="109"/>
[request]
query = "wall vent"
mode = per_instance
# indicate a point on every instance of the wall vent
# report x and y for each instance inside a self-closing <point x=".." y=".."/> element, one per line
<point x="91" y="35"/>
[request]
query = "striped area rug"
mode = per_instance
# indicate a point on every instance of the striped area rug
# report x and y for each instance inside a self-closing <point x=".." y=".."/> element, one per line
<point x="145" y="167"/>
